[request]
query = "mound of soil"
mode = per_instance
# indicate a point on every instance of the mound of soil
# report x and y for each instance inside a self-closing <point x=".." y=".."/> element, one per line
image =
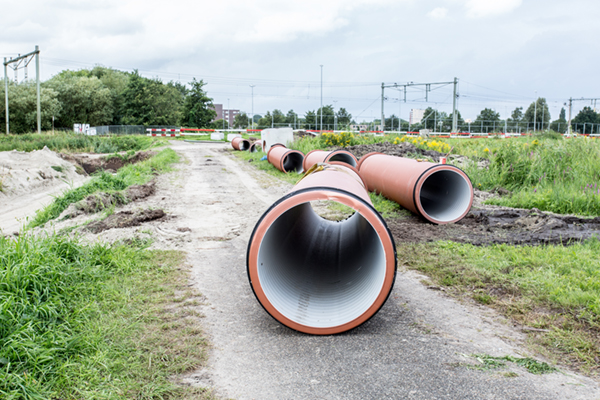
<point x="125" y="219"/>
<point x="113" y="163"/>
<point x="495" y="226"/>
<point x="26" y="172"/>
<point x="401" y="150"/>
<point x="100" y="201"/>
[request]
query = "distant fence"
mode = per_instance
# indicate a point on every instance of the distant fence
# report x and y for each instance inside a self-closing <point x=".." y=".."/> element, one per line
<point x="127" y="129"/>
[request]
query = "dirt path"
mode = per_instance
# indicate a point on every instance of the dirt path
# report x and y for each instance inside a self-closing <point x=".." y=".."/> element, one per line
<point x="413" y="348"/>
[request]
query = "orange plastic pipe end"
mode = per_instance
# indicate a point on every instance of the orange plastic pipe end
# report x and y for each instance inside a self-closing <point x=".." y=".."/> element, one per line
<point x="320" y="156"/>
<point x="284" y="159"/>
<point x="441" y="193"/>
<point x="318" y="276"/>
<point x="240" y="144"/>
<point x="256" y="147"/>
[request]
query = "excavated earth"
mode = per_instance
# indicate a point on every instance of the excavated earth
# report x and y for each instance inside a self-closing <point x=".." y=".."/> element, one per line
<point x="91" y="163"/>
<point x="484" y="224"/>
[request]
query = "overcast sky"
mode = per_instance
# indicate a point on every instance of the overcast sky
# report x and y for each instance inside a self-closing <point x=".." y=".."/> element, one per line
<point x="502" y="51"/>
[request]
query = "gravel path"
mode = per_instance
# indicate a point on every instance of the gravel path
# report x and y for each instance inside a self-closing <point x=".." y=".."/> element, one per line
<point x="413" y="348"/>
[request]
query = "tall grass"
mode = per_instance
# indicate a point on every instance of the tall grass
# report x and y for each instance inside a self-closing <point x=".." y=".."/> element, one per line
<point x="72" y="142"/>
<point x="83" y="321"/>
<point x="561" y="176"/>
<point x="131" y="174"/>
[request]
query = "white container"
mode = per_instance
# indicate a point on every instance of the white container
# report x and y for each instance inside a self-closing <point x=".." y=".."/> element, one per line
<point x="272" y="136"/>
<point x="217" y="136"/>
<point x="230" y="136"/>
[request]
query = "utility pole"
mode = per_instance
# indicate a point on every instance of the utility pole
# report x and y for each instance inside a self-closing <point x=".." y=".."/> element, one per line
<point x="454" y="113"/>
<point x="252" y="86"/>
<point x="321" y="129"/>
<point x="37" y="78"/>
<point x="334" y="116"/>
<point x="25" y="59"/>
<point x="6" y="94"/>
<point x="382" y="98"/>
<point x="535" y="112"/>
<point x="228" y="116"/>
<point x="568" y="125"/>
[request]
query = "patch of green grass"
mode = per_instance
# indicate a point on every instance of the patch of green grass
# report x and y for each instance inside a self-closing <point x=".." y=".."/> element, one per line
<point x="558" y="175"/>
<point x="487" y="362"/>
<point x="94" y="321"/>
<point x="388" y="208"/>
<point x="555" y="289"/>
<point x="264" y="165"/>
<point x="131" y="174"/>
<point x="72" y="142"/>
<point x="58" y="168"/>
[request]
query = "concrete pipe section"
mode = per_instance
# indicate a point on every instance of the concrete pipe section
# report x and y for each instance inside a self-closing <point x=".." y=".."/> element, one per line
<point x="320" y="156"/>
<point x="284" y="159"/>
<point x="240" y="144"/>
<point x="256" y="147"/>
<point x="440" y="193"/>
<point x="319" y="276"/>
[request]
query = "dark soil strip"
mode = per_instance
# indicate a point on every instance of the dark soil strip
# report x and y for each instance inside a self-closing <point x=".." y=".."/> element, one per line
<point x="125" y="219"/>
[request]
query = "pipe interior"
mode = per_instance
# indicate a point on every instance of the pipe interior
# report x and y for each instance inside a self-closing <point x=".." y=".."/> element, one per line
<point x="244" y="145"/>
<point x="293" y="162"/>
<point x="445" y="195"/>
<point x="321" y="273"/>
<point x="344" y="157"/>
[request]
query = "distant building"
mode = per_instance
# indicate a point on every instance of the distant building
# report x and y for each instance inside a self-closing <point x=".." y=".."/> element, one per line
<point x="227" y="115"/>
<point x="358" y="127"/>
<point x="416" y="116"/>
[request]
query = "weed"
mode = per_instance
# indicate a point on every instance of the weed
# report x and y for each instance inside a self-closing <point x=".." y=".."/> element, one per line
<point x="487" y="362"/>
<point x="58" y="168"/>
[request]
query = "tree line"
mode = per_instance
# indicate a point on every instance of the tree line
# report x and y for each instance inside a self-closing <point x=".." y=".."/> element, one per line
<point x="105" y="96"/>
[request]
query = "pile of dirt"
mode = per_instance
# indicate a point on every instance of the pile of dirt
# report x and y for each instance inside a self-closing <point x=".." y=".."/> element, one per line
<point x="25" y="172"/>
<point x="125" y="219"/>
<point x="100" y="201"/>
<point x="401" y="150"/>
<point x="496" y="226"/>
<point x="92" y="163"/>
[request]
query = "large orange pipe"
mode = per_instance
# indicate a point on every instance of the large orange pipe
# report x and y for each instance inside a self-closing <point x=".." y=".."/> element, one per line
<point x="318" y="276"/>
<point x="239" y="143"/>
<point x="284" y="159"/>
<point x="320" y="156"/>
<point x="256" y="146"/>
<point x="441" y="193"/>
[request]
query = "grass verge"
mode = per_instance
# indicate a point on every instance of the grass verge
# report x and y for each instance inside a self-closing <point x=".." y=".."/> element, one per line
<point x="552" y="291"/>
<point x="71" y="142"/>
<point x="131" y="174"/>
<point x="96" y="321"/>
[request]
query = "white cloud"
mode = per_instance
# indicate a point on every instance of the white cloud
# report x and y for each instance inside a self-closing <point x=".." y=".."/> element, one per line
<point x="484" y="8"/>
<point x="438" y="13"/>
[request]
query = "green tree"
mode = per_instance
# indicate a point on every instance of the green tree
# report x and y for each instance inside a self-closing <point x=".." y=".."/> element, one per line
<point x="241" y="120"/>
<point x="559" y="125"/>
<point x="22" y="107"/>
<point x="310" y="120"/>
<point x="150" y="102"/>
<point x="541" y="111"/>
<point x="488" y="120"/>
<point x="328" y="116"/>
<point x="343" y="118"/>
<point x="198" y="111"/>
<point x="83" y="99"/>
<point x="291" y="118"/>
<point x="116" y="81"/>
<point x="517" y="114"/>
<point x="585" y="120"/>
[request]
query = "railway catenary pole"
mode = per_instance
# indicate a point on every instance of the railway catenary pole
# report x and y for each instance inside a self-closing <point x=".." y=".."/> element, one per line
<point x="6" y="94"/>
<point x="427" y="89"/>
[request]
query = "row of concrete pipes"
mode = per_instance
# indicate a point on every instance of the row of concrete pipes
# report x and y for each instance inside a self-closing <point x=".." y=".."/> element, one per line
<point x="323" y="277"/>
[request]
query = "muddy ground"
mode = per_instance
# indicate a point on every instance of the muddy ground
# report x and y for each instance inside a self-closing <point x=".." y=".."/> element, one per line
<point x="91" y="163"/>
<point x="484" y="224"/>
